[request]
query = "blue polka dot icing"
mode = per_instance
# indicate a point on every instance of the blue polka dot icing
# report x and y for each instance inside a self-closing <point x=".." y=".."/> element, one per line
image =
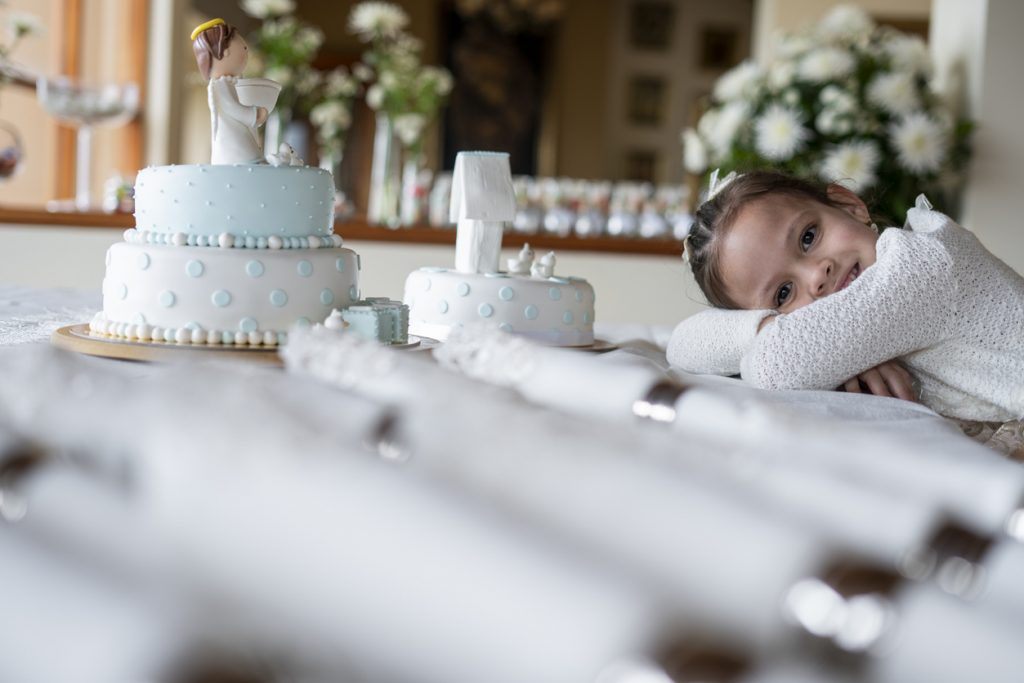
<point x="442" y="306"/>
<point x="278" y="297"/>
<point x="485" y="310"/>
<point x="579" y="295"/>
<point x="139" y="319"/>
<point x="254" y="268"/>
<point x="554" y="293"/>
<point x="326" y="297"/>
<point x="227" y="337"/>
<point x="462" y="289"/>
<point x="248" y="325"/>
<point x="426" y="284"/>
<point x="144" y="261"/>
<point x="303" y="322"/>
<point x="339" y="264"/>
<point x="122" y="291"/>
<point x="353" y="293"/>
<point x="304" y="268"/>
<point x="531" y="312"/>
<point x="567" y="318"/>
<point x="167" y="298"/>
<point x="506" y="293"/>
<point x="505" y="327"/>
<point x="586" y="316"/>
<point x="194" y="268"/>
<point x="221" y="298"/>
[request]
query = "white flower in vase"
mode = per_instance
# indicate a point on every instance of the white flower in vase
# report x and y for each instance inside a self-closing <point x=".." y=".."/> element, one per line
<point x="362" y="72"/>
<point x="695" y="153"/>
<point x="22" y="24"/>
<point x="740" y="81"/>
<point x="846" y="23"/>
<point x="339" y="83"/>
<point x="826" y="64"/>
<point x="377" y="19"/>
<point x="263" y="9"/>
<point x="374" y="96"/>
<point x="908" y="53"/>
<point x="280" y="74"/>
<point x="309" y="39"/>
<point x="852" y="164"/>
<point x="331" y="117"/>
<point x="781" y="74"/>
<point x="894" y="92"/>
<point x="920" y="143"/>
<point x="779" y="133"/>
<point x="409" y="128"/>
<point x="721" y="129"/>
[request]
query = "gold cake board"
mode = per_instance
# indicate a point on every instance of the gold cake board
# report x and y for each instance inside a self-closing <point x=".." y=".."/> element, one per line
<point x="77" y="338"/>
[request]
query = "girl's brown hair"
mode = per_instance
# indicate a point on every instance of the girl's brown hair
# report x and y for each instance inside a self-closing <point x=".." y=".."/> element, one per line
<point x="210" y="45"/>
<point x="717" y="213"/>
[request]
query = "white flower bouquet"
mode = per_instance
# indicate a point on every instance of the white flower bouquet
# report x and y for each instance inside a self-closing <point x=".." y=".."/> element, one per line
<point x="399" y="84"/>
<point x="846" y="101"/>
<point x="284" y="47"/>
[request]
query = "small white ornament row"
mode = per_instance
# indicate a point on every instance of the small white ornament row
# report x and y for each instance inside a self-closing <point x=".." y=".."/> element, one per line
<point x="184" y="335"/>
<point x="227" y="240"/>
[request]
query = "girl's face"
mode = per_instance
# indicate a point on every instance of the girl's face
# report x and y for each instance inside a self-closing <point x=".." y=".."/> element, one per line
<point x="783" y="252"/>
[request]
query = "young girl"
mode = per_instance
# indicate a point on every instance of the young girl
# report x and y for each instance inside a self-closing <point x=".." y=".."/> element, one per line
<point x="811" y="297"/>
<point x="221" y="54"/>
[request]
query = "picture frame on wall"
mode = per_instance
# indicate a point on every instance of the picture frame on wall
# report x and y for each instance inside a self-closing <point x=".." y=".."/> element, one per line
<point x="718" y="47"/>
<point x="650" y="24"/>
<point x="646" y="100"/>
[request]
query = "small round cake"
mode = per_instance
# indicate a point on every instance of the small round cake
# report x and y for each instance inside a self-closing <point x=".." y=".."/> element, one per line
<point x="555" y="311"/>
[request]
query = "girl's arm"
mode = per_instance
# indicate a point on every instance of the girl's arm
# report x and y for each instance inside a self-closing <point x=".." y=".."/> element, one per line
<point x="903" y="303"/>
<point x="228" y="104"/>
<point x="714" y="341"/>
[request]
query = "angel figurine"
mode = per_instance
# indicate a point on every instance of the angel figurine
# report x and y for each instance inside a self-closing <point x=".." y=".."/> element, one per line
<point x="237" y="106"/>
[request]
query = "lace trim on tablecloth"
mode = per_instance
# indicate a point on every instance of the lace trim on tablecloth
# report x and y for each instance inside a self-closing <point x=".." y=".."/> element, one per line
<point x="38" y="326"/>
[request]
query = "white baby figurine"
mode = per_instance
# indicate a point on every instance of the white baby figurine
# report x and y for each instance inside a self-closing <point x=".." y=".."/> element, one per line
<point x="335" y="321"/>
<point x="544" y="267"/>
<point x="221" y="54"/>
<point x="521" y="264"/>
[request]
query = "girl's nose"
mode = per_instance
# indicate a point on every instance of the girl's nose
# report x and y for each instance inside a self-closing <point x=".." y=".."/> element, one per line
<point x="823" y="275"/>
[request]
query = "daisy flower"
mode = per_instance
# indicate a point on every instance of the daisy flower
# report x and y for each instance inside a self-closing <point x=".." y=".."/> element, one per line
<point x="920" y="143"/>
<point x="779" y="133"/>
<point x="851" y="164"/>
<point x="695" y="154"/>
<point x="375" y="19"/>
<point x="721" y="129"/>
<point x="826" y="64"/>
<point x="894" y="92"/>
<point x="908" y="53"/>
<point x="263" y="9"/>
<point x="740" y="81"/>
<point x="846" y="22"/>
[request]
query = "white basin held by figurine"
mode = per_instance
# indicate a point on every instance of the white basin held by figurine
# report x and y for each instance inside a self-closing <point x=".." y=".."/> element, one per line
<point x="258" y="92"/>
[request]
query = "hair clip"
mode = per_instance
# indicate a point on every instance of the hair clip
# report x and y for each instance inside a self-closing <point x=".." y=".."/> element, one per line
<point x="715" y="185"/>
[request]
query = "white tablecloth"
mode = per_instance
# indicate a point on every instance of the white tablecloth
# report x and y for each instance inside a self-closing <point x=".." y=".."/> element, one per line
<point x="526" y="527"/>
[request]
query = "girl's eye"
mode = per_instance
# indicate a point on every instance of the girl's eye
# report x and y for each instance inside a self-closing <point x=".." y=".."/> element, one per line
<point x="807" y="238"/>
<point x="782" y="296"/>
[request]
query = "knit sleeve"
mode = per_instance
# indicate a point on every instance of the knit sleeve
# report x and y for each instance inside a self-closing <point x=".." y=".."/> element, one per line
<point x="714" y="341"/>
<point x="904" y="302"/>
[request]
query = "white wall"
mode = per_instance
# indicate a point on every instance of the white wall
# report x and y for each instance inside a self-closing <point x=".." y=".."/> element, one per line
<point x="642" y="289"/>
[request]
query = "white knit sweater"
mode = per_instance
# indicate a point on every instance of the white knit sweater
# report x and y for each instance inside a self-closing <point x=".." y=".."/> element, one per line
<point x="935" y="298"/>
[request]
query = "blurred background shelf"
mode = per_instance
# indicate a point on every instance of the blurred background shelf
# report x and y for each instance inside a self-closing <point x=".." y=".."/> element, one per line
<point x="358" y="229"/>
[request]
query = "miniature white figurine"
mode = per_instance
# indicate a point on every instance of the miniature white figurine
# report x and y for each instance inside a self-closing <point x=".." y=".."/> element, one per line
<point x="285" y="156"/>
<point x="482" y="201"/>
<point x="221" y="54"/>
<point x="544" y="267"/>
<point x="521" y="264"/>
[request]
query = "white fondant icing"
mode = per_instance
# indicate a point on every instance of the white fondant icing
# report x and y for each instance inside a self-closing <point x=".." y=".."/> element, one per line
<point x="195" y="185"/>
<point x="530" y="311"/>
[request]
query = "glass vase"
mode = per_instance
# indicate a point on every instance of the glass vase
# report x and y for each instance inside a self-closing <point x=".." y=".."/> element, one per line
<point x="385" y="174"/>
<point x="415" y="190"/>
<point x="331" y="159"/>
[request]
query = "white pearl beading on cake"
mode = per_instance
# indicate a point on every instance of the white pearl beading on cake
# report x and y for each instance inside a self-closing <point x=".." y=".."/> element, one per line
<point x="184" y="335"/>
<point x="227" y="240"/>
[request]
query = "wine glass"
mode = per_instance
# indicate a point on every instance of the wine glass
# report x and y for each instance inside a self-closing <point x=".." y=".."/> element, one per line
<point x="84" y="106"/>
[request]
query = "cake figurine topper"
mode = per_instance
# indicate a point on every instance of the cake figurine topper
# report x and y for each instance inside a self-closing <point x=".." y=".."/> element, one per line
<point x="482" y="201"/>
<point x="544" y="267"/>
<point x="520" y="265"/>
<point x="237" y="106"/>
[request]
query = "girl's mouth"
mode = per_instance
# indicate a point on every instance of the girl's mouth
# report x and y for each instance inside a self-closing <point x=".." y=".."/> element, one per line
<point x="850" y="277"/>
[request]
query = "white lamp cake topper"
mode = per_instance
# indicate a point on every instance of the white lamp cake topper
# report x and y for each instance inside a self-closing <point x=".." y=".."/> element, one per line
<point x="482" y="201"/>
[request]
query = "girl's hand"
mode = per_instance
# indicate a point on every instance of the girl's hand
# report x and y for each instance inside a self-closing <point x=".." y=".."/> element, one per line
<point x="886" y="379"/>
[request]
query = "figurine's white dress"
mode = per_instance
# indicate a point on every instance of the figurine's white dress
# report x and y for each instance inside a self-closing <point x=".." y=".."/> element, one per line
<point x="232" y="125"/>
